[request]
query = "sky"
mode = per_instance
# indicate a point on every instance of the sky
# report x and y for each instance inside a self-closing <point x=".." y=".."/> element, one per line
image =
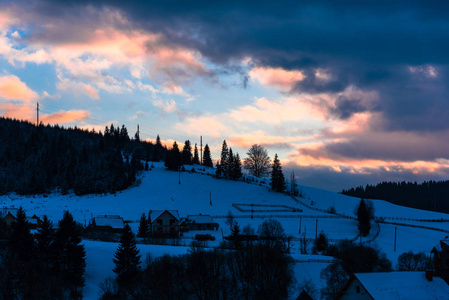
<point x="347" y="93"/>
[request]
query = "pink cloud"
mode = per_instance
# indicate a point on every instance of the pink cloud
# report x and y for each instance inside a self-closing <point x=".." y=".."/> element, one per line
<point x="12" y="88"/>
<point x="276" y="76"/>
<point x="65" y="117"/>
<point x="208" y="126"/>
<point x="166" y="106"/>
<point x="91" y="91"/>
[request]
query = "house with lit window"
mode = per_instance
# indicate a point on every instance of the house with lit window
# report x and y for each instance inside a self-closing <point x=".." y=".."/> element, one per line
<point x="164" y="222"/>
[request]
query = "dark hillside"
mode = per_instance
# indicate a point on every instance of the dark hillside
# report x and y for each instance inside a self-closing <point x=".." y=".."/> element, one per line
<point x="37" y="160"/>
<point x="429" y="195"/>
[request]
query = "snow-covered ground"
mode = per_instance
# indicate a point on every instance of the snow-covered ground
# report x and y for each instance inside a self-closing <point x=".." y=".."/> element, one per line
<point x="160" y="189"/>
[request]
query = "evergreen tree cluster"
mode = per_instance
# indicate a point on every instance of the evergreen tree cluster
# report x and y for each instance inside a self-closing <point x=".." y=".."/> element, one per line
<point x="42" y="159"/>
<point x="230" y="165"/>
<point x="429" y="195"/>
<point x="256" y="270"/>
<point x="50" y="265"/>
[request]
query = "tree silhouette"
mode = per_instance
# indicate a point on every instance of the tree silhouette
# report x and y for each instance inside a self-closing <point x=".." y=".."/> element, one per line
<point x="127" y="261"/>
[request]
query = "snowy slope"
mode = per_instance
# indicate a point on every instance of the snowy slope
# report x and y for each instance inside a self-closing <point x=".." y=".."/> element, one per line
<point x="160" y="189"/>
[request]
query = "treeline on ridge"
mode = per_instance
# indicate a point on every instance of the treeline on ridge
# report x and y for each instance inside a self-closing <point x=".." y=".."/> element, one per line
<point x="45" y="158"/>
<point x="429" y="195"/>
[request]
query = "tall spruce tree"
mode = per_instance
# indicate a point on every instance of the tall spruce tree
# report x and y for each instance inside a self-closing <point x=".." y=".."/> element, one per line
<point x="187" y="153"/>
<point x="70" y="255"/>
<point x="196" y="159"/>
<point x="236" y="172"/>
<point x="229" y="164"/>
<point x="363" y="218"/>
<point x="21" y="241"/>
<point x="45" y="238"/>
<point x="235" y="239"/>
<point x="224" y="159"/>
<point x="127" y="261"/>
<point x="207" y="158"/>
<point x="277" y="176"/>
<point x="144" y="228"/>
<point x="173" y="158"/>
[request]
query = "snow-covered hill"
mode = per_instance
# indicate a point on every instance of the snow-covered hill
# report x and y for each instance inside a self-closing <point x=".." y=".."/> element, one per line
<point x="200" y="193"/>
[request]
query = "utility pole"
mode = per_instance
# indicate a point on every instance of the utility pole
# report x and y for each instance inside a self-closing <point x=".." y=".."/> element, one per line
<point x="37" y="110"/>
<point x="300" y="222"/>
<point x="316" y="229"/>
<point x="210" y="198"/>
<point x="395" y="233"/>
<point x="201" y="149"/>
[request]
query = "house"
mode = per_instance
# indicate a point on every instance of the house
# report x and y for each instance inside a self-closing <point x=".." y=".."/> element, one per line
<point x="395" y="285"/>
<point x="164" y="222"/>
<point x="8" y="215"/>
<point x="198" y="222"/>
<point x="108" y="223"/>
<point x="441" y="259"/>
<point x="34" y="221"/>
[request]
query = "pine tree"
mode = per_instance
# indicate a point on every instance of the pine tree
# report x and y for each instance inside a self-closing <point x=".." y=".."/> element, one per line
<point x="218" y="171"/>
<point x="229" y="164"/>
<point x="187" y="153"/>
<point x="363" y="218"/>
<point x="224" y="159"/>
<point x="196" y="159"/>
<point x="236" y="172"/>
<point x="207" y="158"/>
<point x="293" y="185"/>
<point x="321" y="242"/>
<point x="144" y="228"/>
<point x="277" y="176"/>
<point x="70" y="255"/>
<point x="127" y="260"/>
<point x="21" y="241"/>
<point x="235" y="239"/>
<point x="45" y="238"/>
<point x="173" y="159"/>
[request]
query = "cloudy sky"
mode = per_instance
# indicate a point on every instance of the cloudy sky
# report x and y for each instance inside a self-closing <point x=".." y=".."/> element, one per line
<point x="346" y="92"/>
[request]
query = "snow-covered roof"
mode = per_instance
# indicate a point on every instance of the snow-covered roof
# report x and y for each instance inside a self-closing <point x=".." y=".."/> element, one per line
<point x="403" y="285"/>
<point x="154" y="214"/>
<point x="12" y="211"/>
<point x="200" y="219"/>
<point x="112" y="221"/>
<point x="438" y="247"/>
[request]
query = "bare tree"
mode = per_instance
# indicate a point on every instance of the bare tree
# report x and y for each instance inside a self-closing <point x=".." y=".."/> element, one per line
<point x="258" y="161"/>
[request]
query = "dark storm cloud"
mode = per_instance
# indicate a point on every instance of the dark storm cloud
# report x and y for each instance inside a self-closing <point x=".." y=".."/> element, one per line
<point x="366" y="44"/>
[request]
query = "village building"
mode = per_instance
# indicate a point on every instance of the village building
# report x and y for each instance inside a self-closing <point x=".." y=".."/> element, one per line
<point x="198" y="222"/>
<point x="8" y="216"/>
<point x="441" y="259"/>
<point x="394" y="285"/>
<point x="108" y="223"/>
<point x="164" y="222"/>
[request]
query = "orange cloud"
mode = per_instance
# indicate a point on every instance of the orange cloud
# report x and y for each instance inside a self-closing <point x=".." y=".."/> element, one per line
<point x="277" y="112"/>
<point x="65" y="116"/>
<point x="20" y="112"/>
<point x="276" y="76"/>
<point x="12" y="88"/>
<point x="208" y="126"/>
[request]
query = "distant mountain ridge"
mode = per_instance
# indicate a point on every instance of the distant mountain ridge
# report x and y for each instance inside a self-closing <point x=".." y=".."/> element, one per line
<point x="429" y="195"/>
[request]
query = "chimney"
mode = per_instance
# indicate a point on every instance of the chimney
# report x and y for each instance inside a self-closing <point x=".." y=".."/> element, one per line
<point x="429" y="275"/>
